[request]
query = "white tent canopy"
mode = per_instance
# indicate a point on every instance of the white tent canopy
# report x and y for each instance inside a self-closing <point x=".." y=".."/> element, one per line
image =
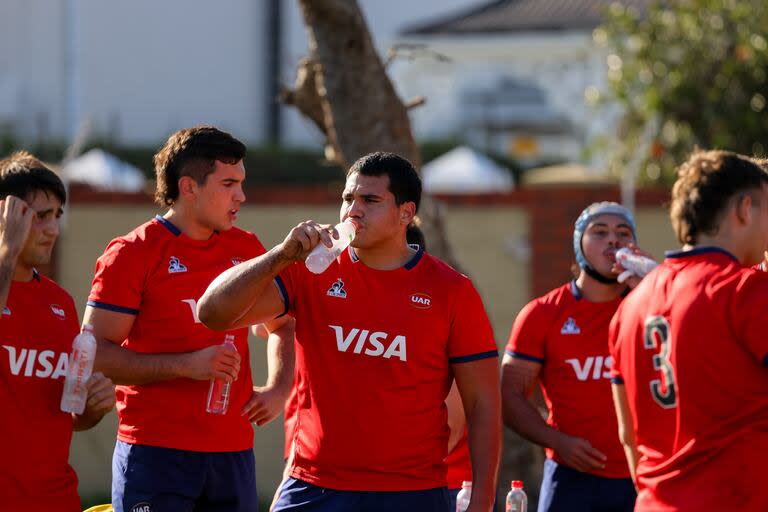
<point x="99" y="169"/>
<point x="465" y="171"/>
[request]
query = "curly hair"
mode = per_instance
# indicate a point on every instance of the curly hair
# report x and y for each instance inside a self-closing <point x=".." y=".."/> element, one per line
<point x="22" y="175"/>
<point x="192" y="152"/>
<point x="706" y="184"/>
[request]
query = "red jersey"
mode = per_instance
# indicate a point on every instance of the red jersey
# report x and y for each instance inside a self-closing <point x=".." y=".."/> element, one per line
<point x="157" y="274"/>
<point x="689" y="344"/>
<point x="37" y="327"/>
<point x="459" y="464"/>
<point x="375" y="349"/>
<point x="568" y="335"/>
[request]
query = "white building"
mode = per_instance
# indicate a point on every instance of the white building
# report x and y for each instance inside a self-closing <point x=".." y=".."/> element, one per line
<point x="139" y="70"/>
<point x="516" y="80"/>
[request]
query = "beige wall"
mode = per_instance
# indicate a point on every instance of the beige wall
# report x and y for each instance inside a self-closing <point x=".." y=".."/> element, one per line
<point x="489" y="242"/>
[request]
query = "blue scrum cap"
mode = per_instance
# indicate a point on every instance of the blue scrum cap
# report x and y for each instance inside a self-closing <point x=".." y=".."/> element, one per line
<point x="589" y="213"/>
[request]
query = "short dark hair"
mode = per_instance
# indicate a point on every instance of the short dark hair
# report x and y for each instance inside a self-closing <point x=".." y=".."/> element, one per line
<point x="706" y="183"/>
<point x="192" y="152"/>
<point x="22" y="175"/>
<point x="404" y="181"/>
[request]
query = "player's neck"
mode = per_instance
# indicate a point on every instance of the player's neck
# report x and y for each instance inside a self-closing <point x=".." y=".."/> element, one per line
<point x="386" y="256"/>
<point x="595" y="291"/>
<point x="181" y="217"/>
<point x="722" y="241"/>
<point x="23" y="273"/>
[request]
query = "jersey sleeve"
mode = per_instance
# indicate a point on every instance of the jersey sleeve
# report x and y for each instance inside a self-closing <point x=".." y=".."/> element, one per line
<point x="749" y="314"/>
<point x="471" y="336"/>
<point x="614" y="348"/>
<point x="527" y="339"/>
<point x="289" y="283"/>
<point x="119" y="279"/>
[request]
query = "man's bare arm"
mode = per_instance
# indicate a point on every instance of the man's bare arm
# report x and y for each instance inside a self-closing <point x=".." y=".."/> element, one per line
<point x="125" y="366"/>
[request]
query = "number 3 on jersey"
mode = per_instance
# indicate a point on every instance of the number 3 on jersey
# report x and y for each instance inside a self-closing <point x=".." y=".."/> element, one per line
<point x="657" y="334"/>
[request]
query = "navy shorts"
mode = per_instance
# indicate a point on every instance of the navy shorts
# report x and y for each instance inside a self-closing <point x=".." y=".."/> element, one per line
<point x="296" y="495"/>
<point x="154" y="479"/>
<point x="568" y="490"/>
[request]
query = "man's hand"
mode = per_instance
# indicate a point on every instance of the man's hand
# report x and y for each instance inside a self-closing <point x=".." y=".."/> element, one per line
<point x="305" y="237"/>
<point x="633" y="280"/>
<point x="101" y="400"/>
<point x="216" y="362"/>
<point x="266" y="404"/>
<point x="579" y="454"/>
<point x="15" y="222"/>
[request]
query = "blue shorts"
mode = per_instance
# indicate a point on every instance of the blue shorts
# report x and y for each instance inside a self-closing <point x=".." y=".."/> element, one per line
<point x="452" y="495"/>
<point x="296" y="495"/>
<point x="166" y="480"/>
<point x="568" y="490"/>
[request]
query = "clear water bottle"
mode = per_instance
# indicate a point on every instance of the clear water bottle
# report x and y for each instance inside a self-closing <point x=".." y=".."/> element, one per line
<point x="465" y="494"/>
<point x="79" y="371"/>
<point x="517" y="501"/>
<point x="321" y="256"/>
<point x="634" y="264"/>
<point x="218" y="391"/>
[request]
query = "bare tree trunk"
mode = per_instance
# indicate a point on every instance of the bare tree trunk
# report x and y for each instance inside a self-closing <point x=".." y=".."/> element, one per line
<point x="344" y="89"/>
<point x="362" y="112"/>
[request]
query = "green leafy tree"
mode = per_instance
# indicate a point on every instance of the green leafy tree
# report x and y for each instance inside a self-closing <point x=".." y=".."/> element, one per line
<point x="686" y="73"/>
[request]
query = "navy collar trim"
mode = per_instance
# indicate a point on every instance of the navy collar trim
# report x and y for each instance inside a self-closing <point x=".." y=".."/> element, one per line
<point x="575" y="290"/>
<point x="408" y="266"/>
<point x="698" y="251"/>
<point x="35" y="275"/>
<point x="168" y="225"/>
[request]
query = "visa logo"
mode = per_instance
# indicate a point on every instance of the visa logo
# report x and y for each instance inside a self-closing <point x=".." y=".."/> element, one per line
<point x="41" y="365"/>
<point x="600" y="367"/>
<point x="375" y="342"/>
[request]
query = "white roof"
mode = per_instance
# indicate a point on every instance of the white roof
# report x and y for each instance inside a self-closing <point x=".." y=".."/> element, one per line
<point x="99" y="169"/>
<point x="465" y="171"/>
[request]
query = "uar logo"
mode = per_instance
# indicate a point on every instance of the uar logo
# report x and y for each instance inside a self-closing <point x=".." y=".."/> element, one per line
<point x="600" y="366"/>
<point x="337" y="289"/>
<point x="421" y="300"/>
<point x="570" y="327"/>
<point x="375" y="341"/>
<point x="58" y="311"/>
<point x="141" y="507"/>
<point x="175" y="266"/>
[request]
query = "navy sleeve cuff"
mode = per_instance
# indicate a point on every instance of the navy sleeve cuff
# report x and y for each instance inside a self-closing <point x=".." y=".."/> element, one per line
<point x="617" y="380"/>
<point x="112" y="307"/>
<point x="284" y="294"/>
<point x="525" y="357"/>
<point x="473" y="357"/>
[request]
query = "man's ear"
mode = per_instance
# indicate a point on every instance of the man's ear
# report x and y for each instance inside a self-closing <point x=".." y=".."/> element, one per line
<point x="187" y="186"/>
<point x="743" y="209"/>
<point x="407" y="212"/>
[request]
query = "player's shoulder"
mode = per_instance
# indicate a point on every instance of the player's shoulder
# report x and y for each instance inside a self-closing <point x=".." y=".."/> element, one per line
<point x="448" y="277"/>
<point x="54" y="289"/>
<point x="553" y="300"/>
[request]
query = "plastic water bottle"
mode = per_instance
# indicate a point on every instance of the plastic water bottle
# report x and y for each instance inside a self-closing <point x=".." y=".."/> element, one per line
<point x="321" y="256"/>
<point x="79" y="371"/>
<point x="465" y="494"/>
<point x="218" y="391"/>
<point x="517" y="501"/>
<point x="634" y="264"/>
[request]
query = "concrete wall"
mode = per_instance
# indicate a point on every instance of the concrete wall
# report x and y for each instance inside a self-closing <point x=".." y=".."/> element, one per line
<point x="493" y="241"/>
<point x="479" y="235"/>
